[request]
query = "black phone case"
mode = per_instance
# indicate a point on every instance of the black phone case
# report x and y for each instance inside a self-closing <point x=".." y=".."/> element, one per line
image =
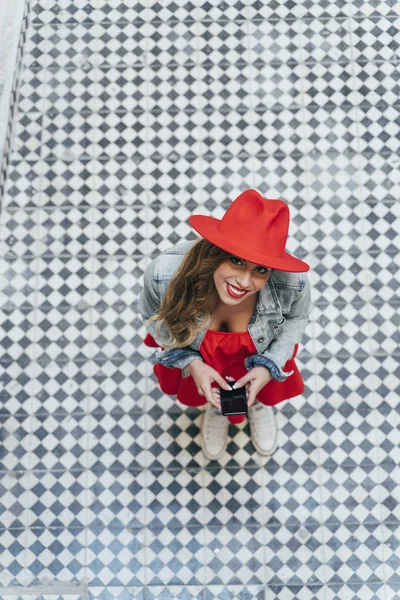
<point x="233" y="402"/>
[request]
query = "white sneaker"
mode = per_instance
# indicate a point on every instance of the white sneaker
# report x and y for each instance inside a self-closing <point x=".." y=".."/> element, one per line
<point x="263" y="429"/>
<point x="214" y="433"/>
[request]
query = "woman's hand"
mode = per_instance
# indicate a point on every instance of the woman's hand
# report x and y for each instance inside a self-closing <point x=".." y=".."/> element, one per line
<point x="203" y="376"/>
<point x="254" y="381"/>
<point x="216" y="392"/>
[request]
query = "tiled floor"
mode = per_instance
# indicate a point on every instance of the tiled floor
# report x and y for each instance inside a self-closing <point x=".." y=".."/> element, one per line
<point x="131" y="117"/>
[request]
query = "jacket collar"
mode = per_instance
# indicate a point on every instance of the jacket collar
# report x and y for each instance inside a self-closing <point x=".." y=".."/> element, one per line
<point x="268" y="299"/>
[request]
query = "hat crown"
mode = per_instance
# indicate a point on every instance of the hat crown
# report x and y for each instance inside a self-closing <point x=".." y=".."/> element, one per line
<point x="261" y="223"/>
<point x="254" y="229"/>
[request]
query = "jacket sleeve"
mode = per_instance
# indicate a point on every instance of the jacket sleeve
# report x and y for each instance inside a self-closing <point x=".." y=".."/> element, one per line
<point x="148" y="304"/>
<point x="281" y="349"/>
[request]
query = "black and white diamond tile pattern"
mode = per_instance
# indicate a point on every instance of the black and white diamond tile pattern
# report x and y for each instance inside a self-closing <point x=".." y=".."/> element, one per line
<point x="341" y="380"/>
<point x="174" y="592"/>
<point x="173" y="440"/>
<point x="114" y="593"/>
<point x="62" y="46"/>
<point x="222" y="563"/>
<point x="19" y="235"/>
<point x="376" y="10"/>
<point x="294" y="555"/>
<point x="119" y="385"/>
<point x="28" y="138"/>
<point x="324" y="143"/>
<point x="235" y="498"/>
<point x="13" y="543"/>
<point x="285" y="11"/>
<point x="385" y="331"/>
<point x="69" y="337"/>
<point x="222" y="42"/>
<point x="71" y="45"/>
<point x="70" y="138"/>
<point x="115" y="557"/>
<point x="124" y="43"/>
<point x="60" y="551"/>
<point x="15" y="384"/>
<point x="175" y="556"/>
<point x="61" y="11"/>
<point x="175" y="499"/>
<point x="14" y="487"/>
<point x="278" y="42"/>
<point x="94" y="231"/>
<point x="387" y="425"/>
<point x="124" y="89"/>
<point x="117" y="442"/>
<point x="385" y="292"/>
<point x="60" y="90"/>
<point x="233" y="592"/>
<point x="118" y="11"/>
<point x="68" y="184"/>
<point x="22" y="185"/>
<point x="130" y="118"/>
<point x="390" y="552"/>
<point x="345" y="338"/>
<point x="56" y="443"/>
<point x="235" y="10"/>
<point x="327" y="41"/>
<point x="330" y="111"/>
<point x="57" y="499"/>
<point x="353" y="555"/>
<point x="376" y="40"/>
<point x="115" y="497"/>
<point x="378" y="104"/>
<point x="122" y="183"/>
<point x="55" y="596"/>
<point x="382" y="230"/>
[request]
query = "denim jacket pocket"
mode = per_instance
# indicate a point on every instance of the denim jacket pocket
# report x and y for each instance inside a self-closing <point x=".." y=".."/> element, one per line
<point x="277" y="327"/>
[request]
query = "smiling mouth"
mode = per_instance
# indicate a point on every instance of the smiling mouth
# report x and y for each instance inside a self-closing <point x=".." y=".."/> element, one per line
<point x="232" y="291"/>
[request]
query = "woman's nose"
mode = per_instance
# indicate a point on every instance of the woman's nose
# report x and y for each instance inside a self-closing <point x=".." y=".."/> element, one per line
<point x="245" y="283"/>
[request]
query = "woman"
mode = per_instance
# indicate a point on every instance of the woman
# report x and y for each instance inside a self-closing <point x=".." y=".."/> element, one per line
<point x="231" y="305"/>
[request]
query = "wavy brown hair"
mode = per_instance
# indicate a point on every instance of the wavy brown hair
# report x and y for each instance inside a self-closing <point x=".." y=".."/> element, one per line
<point x="191" y="296"/>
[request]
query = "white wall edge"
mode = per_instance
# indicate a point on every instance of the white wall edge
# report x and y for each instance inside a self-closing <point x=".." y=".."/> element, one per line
<point x="11" y="21"/>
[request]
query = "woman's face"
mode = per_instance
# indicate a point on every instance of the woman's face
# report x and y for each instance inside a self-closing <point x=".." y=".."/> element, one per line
<point x="240" y="274"/>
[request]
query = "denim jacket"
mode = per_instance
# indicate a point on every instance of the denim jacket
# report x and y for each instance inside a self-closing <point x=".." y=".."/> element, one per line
<point x="277" y="324"/>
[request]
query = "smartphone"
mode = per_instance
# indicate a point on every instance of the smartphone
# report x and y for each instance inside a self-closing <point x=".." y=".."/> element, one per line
<point x="233" y="402"/>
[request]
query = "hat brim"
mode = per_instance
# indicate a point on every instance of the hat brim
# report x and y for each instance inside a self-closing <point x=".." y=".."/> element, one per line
<point x="207" y="227"/>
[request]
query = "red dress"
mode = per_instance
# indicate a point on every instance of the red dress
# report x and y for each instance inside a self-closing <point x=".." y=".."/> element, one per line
<point x="225" y="351"/>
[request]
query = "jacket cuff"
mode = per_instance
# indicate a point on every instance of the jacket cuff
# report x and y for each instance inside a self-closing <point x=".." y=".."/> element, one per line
<point x="177" y="358"/>
<point x="258" y="360"/>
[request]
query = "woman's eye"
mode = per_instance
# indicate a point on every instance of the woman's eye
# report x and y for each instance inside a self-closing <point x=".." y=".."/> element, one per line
<point x="263" y="270"/>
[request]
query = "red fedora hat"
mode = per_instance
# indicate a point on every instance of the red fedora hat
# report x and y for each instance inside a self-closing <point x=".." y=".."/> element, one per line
<point x="254" y="229"/>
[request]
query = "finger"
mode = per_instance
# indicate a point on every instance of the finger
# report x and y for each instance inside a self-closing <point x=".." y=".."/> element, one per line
<point x="216" y="404"/>
<point x="251" y="401"/>
<point x="241" y="382"/>
<point x="210" y="397"/>
<point x="217" y="397"/>
<point x="223" y="384"/>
